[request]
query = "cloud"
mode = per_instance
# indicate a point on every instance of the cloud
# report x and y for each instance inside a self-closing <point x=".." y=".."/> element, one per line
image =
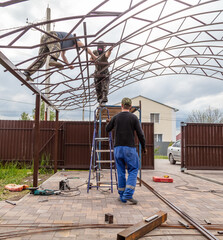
<point x="202" y="103"/>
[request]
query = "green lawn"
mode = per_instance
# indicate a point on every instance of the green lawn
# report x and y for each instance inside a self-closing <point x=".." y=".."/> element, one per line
<point x="13" y="176"/>
<point x="11" y="173"/>
<point x="160" y="157"/>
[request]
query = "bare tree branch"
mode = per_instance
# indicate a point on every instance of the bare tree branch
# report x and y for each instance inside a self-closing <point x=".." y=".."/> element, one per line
<point x="209" y="115"/>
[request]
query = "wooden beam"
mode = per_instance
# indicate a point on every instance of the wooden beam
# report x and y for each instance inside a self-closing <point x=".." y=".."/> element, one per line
<point x="140" y="229"/>
<point x="56" y="142"/>
<point x="36" y="141"/>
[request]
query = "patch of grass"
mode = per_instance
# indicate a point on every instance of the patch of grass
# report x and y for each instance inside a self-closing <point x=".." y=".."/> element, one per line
<point x="160" y="157"/>
<point x="11" y="173"/>
<point x="14" y="173"/>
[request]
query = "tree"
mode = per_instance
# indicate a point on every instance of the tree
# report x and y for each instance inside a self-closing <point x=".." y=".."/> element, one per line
<point x="24" y="116"/>
<point x="209" y="115"/>
<point x="42" y="113"/>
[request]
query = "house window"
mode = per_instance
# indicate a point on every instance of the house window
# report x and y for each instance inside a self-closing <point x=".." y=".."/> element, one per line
<point x="158" y="137"/>
<point x="155" y="117"/>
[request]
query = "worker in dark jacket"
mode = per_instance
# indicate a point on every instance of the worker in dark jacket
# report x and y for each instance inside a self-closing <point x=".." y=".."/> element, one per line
<point x="101" y="74"/>
<point x="126" y="124"/>
<point x="53" y="45"/>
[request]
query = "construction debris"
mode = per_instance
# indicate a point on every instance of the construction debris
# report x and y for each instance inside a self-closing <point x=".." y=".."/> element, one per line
<point x="12" y="203"/>
<point x="109" y="218"/>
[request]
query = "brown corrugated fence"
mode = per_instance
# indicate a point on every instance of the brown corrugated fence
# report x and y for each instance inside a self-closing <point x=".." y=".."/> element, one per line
<point x="202" y="146"/>
<point x="16" y="142"/>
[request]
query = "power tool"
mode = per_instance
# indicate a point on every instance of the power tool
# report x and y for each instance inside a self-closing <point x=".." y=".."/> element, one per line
<point x="46" y="192"/>
<point x="64" y="184"/>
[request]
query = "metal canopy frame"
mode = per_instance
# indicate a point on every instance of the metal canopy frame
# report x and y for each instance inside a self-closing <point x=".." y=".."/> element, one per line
<point x="182" y="40"/>
<point x="10" y="2"/>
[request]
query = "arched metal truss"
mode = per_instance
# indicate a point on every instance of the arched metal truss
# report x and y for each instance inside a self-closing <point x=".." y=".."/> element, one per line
<point x="149" y="38"/>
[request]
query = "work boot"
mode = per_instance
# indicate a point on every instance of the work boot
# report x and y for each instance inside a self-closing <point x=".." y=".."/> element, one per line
<point x="104" y="99"/>
<point x="121" y="200"/>
<point x="103" y="104"/>
<point x="100" y="103"/>
<point x="28" y="78"/>
<point x="132" y="201"/>
<point x="54" y="63"/>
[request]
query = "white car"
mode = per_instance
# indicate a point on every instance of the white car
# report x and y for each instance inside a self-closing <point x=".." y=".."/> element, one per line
<point x="174" y="152"/>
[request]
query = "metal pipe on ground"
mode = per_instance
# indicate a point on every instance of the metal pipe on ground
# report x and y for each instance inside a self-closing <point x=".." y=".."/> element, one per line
<point x="184" y="215"/>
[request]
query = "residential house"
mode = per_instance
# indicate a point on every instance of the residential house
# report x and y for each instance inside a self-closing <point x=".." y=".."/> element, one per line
<point x="163" y="117"/>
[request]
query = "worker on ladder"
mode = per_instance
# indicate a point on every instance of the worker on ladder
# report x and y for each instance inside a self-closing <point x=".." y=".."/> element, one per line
<point x="125" y="124"/>
<point x="101" y="74"/>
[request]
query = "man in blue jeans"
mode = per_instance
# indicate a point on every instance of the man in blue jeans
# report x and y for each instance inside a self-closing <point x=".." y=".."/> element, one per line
<point x="126" y="124"/>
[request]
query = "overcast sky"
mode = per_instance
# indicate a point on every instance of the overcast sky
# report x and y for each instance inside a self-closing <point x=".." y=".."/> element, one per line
<point x="184" y="92"/>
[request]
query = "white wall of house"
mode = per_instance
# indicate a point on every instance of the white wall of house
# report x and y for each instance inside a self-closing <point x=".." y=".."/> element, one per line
<point x="174" y="130"/>
<point x="167" y="117"/>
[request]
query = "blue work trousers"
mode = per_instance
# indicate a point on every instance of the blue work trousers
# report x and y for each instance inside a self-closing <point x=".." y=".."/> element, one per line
<point x="126" y="156"/>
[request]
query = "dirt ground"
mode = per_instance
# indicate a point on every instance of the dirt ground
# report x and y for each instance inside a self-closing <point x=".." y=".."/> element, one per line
<point x="15" y="196"/>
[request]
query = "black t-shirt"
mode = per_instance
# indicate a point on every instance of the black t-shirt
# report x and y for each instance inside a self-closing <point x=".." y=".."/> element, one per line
<point x="125" y="124"/>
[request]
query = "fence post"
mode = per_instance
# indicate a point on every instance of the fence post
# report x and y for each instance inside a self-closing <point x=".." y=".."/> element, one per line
<point x="183" y="148"/>
<point x="56" y="142"/>
<point x="36" y="141"/>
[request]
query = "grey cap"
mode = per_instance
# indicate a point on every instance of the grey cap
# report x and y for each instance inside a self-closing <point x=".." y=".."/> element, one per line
<point x="126" y="101"/>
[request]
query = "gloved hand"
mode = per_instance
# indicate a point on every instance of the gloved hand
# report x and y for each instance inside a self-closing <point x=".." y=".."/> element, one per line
<point x="108" y="120"/>
<point x="144" y="150"/>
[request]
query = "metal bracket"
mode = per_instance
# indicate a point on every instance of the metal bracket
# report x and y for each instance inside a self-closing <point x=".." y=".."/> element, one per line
<point x="183" y="169"/>
<point x="183" y="124"/>
<point x="184" y="224"/>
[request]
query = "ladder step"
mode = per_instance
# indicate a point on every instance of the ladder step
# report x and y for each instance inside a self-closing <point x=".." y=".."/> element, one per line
<point x="101" y="170"/>
<point x="104" y="186"/>
<point x="105" y="161"/>
<point x="104" y="150"/>
<point x="102" y="139"/>
<point x="113" y="183"/>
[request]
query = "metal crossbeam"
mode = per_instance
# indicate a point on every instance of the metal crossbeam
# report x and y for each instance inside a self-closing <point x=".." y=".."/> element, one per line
<point x="5" y="62"/>
<point x="184" y="41"/>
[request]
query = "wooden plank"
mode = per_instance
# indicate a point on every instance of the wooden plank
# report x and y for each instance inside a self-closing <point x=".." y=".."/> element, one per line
<point x="140" y="229"/>
<point x="113" y="110"/>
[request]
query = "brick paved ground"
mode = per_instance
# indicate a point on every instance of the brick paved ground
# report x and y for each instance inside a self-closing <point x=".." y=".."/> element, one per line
<point x="199" y="198"/>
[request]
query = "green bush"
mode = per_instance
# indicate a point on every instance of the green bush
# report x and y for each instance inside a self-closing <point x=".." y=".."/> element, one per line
<point x="45" y="166"/>
<point x="156" y="150"/>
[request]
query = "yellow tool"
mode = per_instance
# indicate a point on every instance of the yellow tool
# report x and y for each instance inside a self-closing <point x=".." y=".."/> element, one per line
<point x="166" y="176"/>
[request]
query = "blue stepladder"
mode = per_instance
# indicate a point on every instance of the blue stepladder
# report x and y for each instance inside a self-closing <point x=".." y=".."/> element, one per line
<point x="98" y="163"/>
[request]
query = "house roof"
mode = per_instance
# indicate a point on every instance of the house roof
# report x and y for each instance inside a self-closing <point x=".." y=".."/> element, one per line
<point x="175" y="109"/>
<point x="178" y="137"/>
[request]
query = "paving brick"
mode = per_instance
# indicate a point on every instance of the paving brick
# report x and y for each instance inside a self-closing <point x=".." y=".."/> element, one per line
<point x="190" y="194"/>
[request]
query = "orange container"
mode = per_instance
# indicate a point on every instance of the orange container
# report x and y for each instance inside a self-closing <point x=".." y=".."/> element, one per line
<point x="163" y="179"/>
<point x="14" y="187"/>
